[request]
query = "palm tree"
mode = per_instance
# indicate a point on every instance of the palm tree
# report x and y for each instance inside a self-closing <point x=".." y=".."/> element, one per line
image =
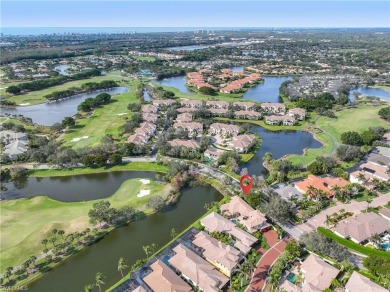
<point x="53" y="240"/>
<point x="54" y="231"/>
<point x="376" y="239"/>
<point x="99" y="280"/>
<point x="146" y="249"/>
<point x="153" y="248"/>
<point x="61" y="233"/>
<point x="88" y="288"/>
<point x="241" y="273"/>
<point x="44" y="241"/>
<point x="173" y="233"/>
<point x="328" y="220"/>
<point x="369" y="201"/>
<point x="122" y="265"/>
<point x="335" y="283"/>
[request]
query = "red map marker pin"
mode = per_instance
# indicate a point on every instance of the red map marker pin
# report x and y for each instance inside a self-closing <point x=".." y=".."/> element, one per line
<point x="246" y="188"/>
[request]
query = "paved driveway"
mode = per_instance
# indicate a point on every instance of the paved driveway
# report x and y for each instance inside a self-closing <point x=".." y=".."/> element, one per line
<point x="266" y="261"/>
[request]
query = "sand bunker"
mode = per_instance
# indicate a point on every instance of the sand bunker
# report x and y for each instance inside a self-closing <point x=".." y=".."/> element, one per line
<point x="24" y="103"/>
<point x="79" y="138"/>
<point x="121" y="114"/>
<point x="143" y="193"/>
<point x="145" y="181"/>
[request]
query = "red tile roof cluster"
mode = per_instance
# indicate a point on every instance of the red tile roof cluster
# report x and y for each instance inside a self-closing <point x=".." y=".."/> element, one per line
<point x="326" y="184"/>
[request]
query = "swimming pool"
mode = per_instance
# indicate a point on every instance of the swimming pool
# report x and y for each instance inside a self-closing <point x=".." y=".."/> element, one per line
<point x="386" y="246"/>
<point x="292" y="278"/>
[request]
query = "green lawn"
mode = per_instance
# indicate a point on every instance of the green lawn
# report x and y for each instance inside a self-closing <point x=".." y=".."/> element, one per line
<point x="385" y="87"/>
<point x="25" y="222"/>
<point x="140" y="166"/>
<point x="35" y="97"/>
<point x="352" y="245"/>
<point x="354" y="119"/>
<point x="107" y="119"/>
<point x="144" y="58"/>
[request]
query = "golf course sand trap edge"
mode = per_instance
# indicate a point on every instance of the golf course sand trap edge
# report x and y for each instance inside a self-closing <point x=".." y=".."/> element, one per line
<point x="79" y="138"/>
<point x="143" y="193"/>
<point x="145" y="181"/>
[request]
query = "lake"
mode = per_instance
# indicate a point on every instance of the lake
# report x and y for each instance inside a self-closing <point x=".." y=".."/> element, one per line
<point x="74" y="188"/>
<point x="61" y="69"/>
<point x="370" y="91"/>
<point x="177" y="82"/>
<point x="268" y="91"/>
<point x="279" y="143"/>
<point x="127" y="242"/>
<point x="189" y="48"/>
<point x="147" y="96"/>
<point x="53" y="112"/>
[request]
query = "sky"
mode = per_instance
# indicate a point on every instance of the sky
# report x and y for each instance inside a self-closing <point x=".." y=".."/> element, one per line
<point x="217" y="13"/>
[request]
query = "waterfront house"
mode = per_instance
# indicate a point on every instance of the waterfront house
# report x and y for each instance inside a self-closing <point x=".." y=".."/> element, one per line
<point x="163" y="102"/>
<point x="359" y="228"/>
<point x="298" y="113"/>
<point x="277" y="120"/>
<point x="251" y="115"/>
<point x="224" y="257"/>
<point x="197" y="270"/>
<point x="274" y="107"/>
<point x="241" y="143"/>
<point x="213" y="153"/>
<point x="252" y="219"/>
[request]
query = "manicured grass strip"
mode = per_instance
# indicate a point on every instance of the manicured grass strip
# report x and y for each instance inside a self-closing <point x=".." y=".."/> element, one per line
<point x="352" y="245"/>
<point x="246" y="157"/>
<point x="131" y="166"/>
<point x="25" y="222"/>
<point x="36" y="97"/>
<point x="107" y="119"/>
<point x="357" y="119"/>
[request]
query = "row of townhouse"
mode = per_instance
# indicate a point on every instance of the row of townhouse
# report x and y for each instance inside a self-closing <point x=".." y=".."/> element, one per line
<point x="142" y="134"/>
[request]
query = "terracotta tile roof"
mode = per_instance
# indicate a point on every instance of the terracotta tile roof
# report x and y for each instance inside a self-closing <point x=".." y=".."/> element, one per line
<point x="375" y="170"/>
<point x="149" y="108"/>
<point x="215" y="222"/>
<point x="297" y="112"/>
<point x="247" y="114"/>
<point x="317" y="273"/>
<point x="362" y="226"/>
<point x="202" y="273"/>
<point x="217" y="104"/>
<point x="160" y="102"/>
<point x="244" y="104"/>
<point x="358" y="283"/>
<point x="190" y="126"/>
<point x="325" y="184"/>
<point x="224" y="128"/>
<point x="164" y="278"/>
<point x="184" y="117"/>
<point x="217" y="251"/>
<point x="184" y="143"/>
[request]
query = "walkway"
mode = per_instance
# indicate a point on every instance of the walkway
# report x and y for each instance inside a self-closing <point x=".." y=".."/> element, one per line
<point x="268" y="258"/>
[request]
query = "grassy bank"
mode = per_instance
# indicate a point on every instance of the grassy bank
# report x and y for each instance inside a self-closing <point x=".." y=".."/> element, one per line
<point x="199" y="96"/>
<point x="131" y="166"/>
<point x="356" y="119"/>
<point x="25" y="222"/>
<point x="36" y="97"/>
<point x="352" y="245"/>
<point x="107" y="119"/>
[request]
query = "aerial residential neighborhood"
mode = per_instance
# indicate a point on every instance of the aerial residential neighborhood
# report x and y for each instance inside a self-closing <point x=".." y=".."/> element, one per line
<point x="157" y="146"/>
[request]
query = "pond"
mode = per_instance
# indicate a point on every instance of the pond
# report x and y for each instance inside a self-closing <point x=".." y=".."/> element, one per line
<point x="189" y="48"/>
<point x="268" y="91"/>
<point x="279" y="143"/>
<point x="73" y="188"/>
<point x="369" y="91"/>
<point x="127" y="242"/>
<point x="48" y="114"/>
<point x="178" y="82"/>
<point x="61" y="69"/>
<point x="147" y="96"/>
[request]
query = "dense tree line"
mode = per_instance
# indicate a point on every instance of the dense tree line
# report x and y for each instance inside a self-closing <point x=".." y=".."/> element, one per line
<point x="384" y="113"/>
<point x="46" y="83"/>
<point x="89" y="86"/>
<point x="365" y="138"/>
<point x="91" y="103"/>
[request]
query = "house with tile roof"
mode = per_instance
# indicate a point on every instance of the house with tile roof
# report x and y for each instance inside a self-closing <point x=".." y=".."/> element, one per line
<point x="358" y="283"/>
<point x="191" y="144"/>
<point x="250" y="115"/>
<point x="273" y="107"/>
<point x="359" y="228"/>
<point x="325" y="184"/>
<point x="224" y="257"/>
<point x="163" y="278"/>
<point x="197" y="270"/>
<point x="224" y="129"/>
<point x="184" y="117"/>
<point x="191" y="127"/>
